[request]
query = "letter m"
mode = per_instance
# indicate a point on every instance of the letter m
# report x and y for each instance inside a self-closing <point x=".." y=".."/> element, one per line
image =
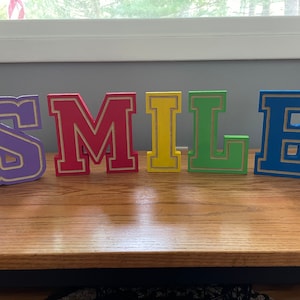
<point x="81" y="137"/>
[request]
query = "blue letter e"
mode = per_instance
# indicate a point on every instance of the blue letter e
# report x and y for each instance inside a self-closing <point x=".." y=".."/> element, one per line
<point x="280" y="147"/>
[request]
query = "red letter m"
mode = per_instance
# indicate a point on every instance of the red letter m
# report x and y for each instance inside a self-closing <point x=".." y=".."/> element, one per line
<point x="80" y="136"/>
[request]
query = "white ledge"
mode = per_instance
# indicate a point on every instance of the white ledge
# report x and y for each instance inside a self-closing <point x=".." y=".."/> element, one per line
<point x="238" y="38"/>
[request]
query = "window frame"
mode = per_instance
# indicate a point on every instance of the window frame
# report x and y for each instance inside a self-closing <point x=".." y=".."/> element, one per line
<point x="120" y="40"/>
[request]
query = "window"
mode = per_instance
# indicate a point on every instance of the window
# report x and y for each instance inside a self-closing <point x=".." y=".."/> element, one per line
<point x="143" y="30"/>
<point x="107" y="9"/>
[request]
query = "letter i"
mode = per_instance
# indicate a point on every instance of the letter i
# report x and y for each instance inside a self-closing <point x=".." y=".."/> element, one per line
<point x="163" y="106"/>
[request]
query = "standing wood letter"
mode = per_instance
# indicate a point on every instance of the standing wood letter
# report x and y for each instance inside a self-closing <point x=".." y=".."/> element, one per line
<point x="163" y="107"/>
<point x="280" y="147"/>
<point x="22" y="157"/>
<point x="80" y="136"/>
<point x="206" y="157"/>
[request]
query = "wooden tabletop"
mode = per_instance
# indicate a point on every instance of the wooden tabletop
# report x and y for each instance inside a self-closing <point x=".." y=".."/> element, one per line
<point x="150" y="220"/>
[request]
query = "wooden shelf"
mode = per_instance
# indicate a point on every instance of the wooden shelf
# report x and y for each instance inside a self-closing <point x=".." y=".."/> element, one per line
<point x="143" y="220"/>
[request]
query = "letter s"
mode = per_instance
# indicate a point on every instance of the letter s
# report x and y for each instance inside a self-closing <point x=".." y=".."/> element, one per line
<point x="22" y="157"/>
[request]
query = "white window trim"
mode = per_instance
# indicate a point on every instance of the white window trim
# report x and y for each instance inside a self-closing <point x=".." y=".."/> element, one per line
<point x="231" y="38"/>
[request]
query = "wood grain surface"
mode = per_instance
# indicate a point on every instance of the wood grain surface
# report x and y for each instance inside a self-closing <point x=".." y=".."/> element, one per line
<point x="150" y="220"/>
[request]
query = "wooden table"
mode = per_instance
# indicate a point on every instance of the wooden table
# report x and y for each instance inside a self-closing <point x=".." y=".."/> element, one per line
<point x="150" y="220"/>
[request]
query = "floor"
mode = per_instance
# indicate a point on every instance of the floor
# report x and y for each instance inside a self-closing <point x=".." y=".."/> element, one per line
<point x="284" y="292"/>
<point x="278" y="292"/>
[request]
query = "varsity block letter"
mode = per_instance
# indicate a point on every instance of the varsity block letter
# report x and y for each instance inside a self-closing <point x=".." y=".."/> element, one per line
<point x="280" y="146"/>
<point x="22" y="157"/>
<point x="80" y="137"/>
<point x="163" y="107"/>
<point x="205" y="157"/>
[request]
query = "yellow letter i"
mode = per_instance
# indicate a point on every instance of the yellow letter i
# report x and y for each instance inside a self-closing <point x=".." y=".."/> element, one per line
<point x="163" y="106"/>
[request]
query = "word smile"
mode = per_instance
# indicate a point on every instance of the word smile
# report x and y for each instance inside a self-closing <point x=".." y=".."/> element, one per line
<point x="80" y="137"/>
